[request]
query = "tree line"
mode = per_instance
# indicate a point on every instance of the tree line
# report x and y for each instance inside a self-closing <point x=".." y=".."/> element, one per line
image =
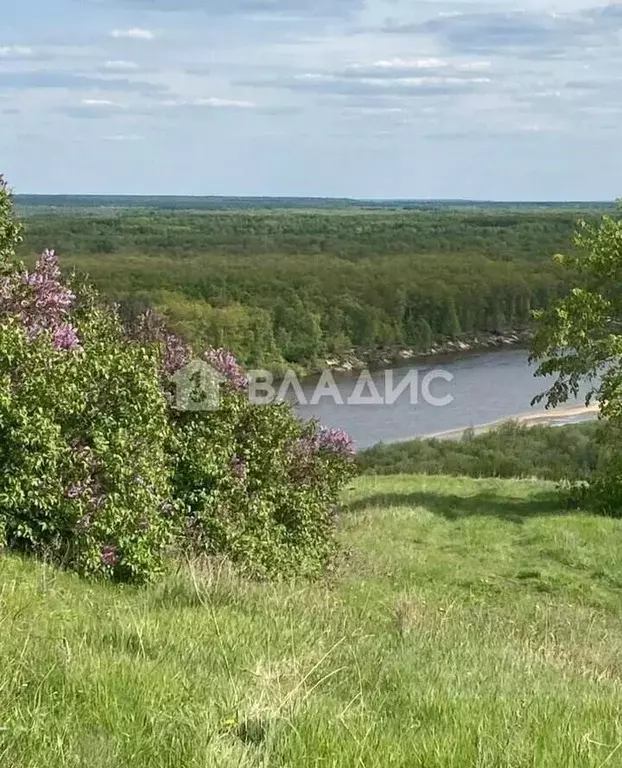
<point x="297" y="287"/>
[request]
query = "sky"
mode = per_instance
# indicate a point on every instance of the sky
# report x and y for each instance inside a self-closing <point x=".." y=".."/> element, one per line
<point x="374" y="99"/>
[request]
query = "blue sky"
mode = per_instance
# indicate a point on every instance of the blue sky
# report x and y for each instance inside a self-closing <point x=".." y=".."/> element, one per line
<point x="360" y="98"/>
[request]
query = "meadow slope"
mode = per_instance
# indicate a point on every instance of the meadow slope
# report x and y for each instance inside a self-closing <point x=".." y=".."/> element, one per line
<point x="473" y="623"/>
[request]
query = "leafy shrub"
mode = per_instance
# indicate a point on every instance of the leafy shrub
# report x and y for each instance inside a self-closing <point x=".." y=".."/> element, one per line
<point x="571" y="453"/>
<point x="83" y="431"/>
<point x="10" y="229"/>
<point x="578" y="341"/>
<point x="100" y="470"/>
<point x="259" y="486"/>
<point x="604" y="490"/>
<point x="254" y="483"/>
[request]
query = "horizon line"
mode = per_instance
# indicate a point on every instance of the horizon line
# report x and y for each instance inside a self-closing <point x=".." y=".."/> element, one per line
<point x="95" y="195"/>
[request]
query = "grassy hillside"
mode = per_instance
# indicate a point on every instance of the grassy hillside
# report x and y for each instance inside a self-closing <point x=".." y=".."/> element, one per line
<point x="474" y="623"/>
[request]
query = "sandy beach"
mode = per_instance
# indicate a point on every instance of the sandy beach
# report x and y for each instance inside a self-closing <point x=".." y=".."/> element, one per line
<point x="555" y="417"/>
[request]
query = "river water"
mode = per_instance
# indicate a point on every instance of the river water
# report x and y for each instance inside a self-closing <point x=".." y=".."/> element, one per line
<point x="477" y="389"/>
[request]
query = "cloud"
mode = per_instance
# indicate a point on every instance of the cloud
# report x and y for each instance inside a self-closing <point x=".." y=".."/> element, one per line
<point x="135" y="33"/>
<point x="395" y="69"/>
<point x="395" y="77"/>
<point x="120" y="66"/>
<point x="490" y="32"/>
<point x="291" y="8"/>
<point x="36" y="79"/>
<point x="518" y="32"/>
<point x="606" y="14"/>
<point x="93" y="109"/>
<point x="210" y="103"/>
<point x="99" y="103"/>
<point x="15" y="52"/>
<point x="123" y="137"/>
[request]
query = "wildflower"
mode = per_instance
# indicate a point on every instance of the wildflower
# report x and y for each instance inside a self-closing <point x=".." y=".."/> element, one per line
<point x="335" y="441"/>
<point x="41" y="302"/>
<point x="225" y="363"/>
<point x="175" y="352"/>
<point x="109" y="555"/>
<point x="326" y="440"/>
<point x="65" y="337"/>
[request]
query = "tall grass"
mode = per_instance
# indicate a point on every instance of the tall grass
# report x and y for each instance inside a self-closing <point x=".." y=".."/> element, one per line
<point x="472" y="623"/>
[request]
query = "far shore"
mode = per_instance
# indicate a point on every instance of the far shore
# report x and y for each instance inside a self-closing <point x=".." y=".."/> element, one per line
<point x="553" y="417"/>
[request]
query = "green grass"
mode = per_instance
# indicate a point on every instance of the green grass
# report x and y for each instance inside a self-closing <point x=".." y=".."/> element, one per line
<point x="473" y="623"/>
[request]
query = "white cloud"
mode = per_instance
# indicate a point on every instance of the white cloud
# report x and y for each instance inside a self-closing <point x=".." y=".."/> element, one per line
<point x="99" y="103"/>
<point x="390" y="64"/>
<point x="135" y="33"/>
<point x="212" y="103"/>
<point x="471" y="65"/>
<point x="15" y="51"/>
<point x="124" y="137"/>
<point x="121" y="66"/>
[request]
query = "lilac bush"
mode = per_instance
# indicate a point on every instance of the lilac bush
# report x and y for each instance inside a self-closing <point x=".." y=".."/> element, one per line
<point x="261" y="487"/>
<point x="81" y="413"/>
<point x="326" y="440"/>
<point x="101" y="471"/>
<point x="175" y="353"/>
<point x="225" y="363"/>
<point x="40" y="302"/>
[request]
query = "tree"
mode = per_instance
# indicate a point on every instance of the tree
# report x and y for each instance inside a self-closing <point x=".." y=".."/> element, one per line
<point x="579" y="339"/>
<point x="450" y="322"/>
<point x="10" y="228"/>
<point x="423" y="335"/>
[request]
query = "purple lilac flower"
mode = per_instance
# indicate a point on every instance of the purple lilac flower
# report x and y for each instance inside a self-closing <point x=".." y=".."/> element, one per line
<point x="307" y="446"/>
<point x="238" y="466"/>
<point x="336" y="441"/>
<point x="41" y="302"/>
<point x="65" y="337"/>
<point x="175" y="352"/>
<point x="326" y="440"/>
<point x="225" y="363"/>
<point x="109" y="555"/>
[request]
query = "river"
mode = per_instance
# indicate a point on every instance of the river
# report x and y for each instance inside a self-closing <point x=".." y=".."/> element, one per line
<point x="475" y="389"/>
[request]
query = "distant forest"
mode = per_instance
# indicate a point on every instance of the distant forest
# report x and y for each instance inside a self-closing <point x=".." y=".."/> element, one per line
<point x="294" y="287"/>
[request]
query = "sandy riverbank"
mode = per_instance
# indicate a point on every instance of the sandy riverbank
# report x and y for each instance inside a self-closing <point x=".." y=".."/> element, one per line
<point x="554" y="417"/>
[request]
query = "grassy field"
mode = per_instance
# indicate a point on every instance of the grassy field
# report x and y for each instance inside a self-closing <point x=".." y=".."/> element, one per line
<point x="473" y="623"/>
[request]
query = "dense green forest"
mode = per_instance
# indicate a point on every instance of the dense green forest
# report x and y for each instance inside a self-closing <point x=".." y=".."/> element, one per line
<point x="283" y="287"/>
<point x="222" y="203"/>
